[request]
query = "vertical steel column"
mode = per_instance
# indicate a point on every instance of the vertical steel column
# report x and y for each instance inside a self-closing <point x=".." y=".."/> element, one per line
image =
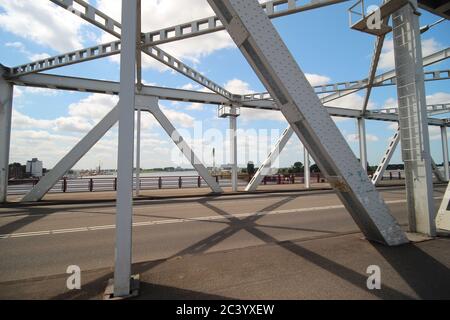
<point x="413" y="119"/>
<point x="306" y="169"/>
<point x="124" y="206"/>
<point x="233" y="150"/>
<point x="445" y="151"/>
<point x="6" y="99"/>
<point x="138" y="153"/>
<point x="362" y="142"/>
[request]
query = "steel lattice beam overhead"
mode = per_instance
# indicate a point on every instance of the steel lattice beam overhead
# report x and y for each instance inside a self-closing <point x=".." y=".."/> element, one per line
<point x="263" y="48"/>
<point x="387" y="76"/>
<point x="106" y="23"/>
<point x="341" y="87"/>
<point x="274" y="9"/>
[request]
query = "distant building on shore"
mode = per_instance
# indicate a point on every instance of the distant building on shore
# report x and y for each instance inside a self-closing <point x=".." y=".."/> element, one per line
<point x="34" y="168"/>
<point x="17" y="171"/>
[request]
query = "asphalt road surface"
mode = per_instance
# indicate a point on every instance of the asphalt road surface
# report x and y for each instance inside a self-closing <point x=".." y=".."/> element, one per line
<point x="43" y="240"/>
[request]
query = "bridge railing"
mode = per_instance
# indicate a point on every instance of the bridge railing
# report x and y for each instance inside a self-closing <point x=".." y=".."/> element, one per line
<point x="99" y="184"/>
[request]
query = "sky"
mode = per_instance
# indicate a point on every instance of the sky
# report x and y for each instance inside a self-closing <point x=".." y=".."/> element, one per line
<point x="48" y="123"/>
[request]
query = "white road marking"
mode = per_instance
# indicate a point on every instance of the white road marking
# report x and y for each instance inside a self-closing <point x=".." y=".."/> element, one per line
<point x="75" y="209"/>
<point x="181" y="220"/>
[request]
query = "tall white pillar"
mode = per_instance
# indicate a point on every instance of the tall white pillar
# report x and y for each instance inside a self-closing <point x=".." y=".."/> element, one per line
<point x="124" y="206"/>
<point x="445" y="151"/>
<point x="233" y="150"/>
<point x="414" y="136"/>
<point x="6" y="99"/>
<point x="138" y="153"/>
<point x="362" y="142"/>
<point x="306" y="169"/>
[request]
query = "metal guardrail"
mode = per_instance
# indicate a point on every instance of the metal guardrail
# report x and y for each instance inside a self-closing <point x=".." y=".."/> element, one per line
<point x="102" y="184"/>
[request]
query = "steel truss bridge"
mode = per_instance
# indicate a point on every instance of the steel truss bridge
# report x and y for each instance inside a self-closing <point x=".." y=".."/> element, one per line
<point x="288" y="92"/>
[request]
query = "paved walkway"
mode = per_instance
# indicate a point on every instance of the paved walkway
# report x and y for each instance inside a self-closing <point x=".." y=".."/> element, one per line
<point x="327" y="268"/>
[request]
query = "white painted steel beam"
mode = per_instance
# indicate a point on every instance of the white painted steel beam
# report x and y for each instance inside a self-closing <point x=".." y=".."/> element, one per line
<point x="434" y="75"/>
<point x="373" y="69"/>
<point x="72" y="157"/>
<point x="306" y="170"/>
<point x="444" y="140"/>
<point x="125" y="150"/>
<point x="41" y="80"/>
<point x="264" y="169"/>
<point x="262" y="46"/>
<point x="443" y="215"/>
<point x="362" y="142"/>
<point x="437" y="173"/>
<point x="109" y="87"/>
<point x="6" y="101"/>
<point x="137" y="187"/>
<point x="233" y="150"/>
<point x="412" y="119"/>
<point x="151" y="104"/>
<point x="393" y="142"/>
<point x="260" y="100"/>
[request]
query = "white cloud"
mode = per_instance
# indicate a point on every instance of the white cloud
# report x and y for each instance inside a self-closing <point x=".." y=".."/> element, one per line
<point x="195" y="107"/>
<point x="387" y="61"/>
<point x="351" y="101"/>
<point x="438" y="98"/>
<point x="317" y="79"/>
<point x="354" y="137"/>
<point x="42" y="22"/>
<point x="22" y="121"/>
<point x="238" y="86"/>
<point x="94" y="107"/>
<point x="160" y="14"/>
<point x="178" y="118"/>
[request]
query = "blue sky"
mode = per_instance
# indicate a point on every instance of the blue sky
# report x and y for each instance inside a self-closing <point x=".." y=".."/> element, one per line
<point x="47" y="123"/>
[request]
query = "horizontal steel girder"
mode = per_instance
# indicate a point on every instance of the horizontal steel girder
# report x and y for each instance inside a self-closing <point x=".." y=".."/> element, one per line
<point x="109" y="87"/>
